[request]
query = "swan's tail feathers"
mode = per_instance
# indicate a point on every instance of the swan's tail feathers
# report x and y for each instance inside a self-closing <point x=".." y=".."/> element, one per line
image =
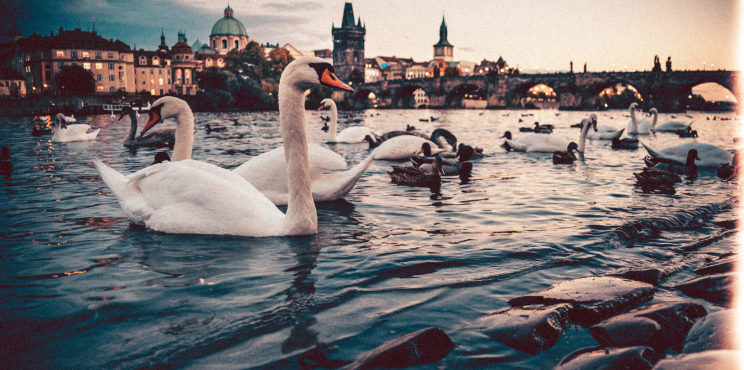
<point x="651" y="152"/>
<point x="336" y="185"/>
<point x="113" y="179"/>
<point x="619" y="133"/>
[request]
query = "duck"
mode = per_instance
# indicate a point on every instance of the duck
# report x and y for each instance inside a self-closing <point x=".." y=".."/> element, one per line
<point x="160" y="157"/>
<point x="656" y="178"/>
<point x="353" y="134"/>
<point x="545" y="143"/>
<point x="211" y="128"/>
<point x="643" y="127"/>
<point x="687" y="132"/>
<point x="544" y="129"/>
<point x="185" y="196"/>
<point x="416" y="176"/>
<point x="603" y="132"/>
<point x="567" y="156"/>
<point x="624" y="143"/>
<point x="710" y="156"/>
<point x="5" y="166"/>
<point x="688" y="168"/>
<point x="62" y="132"/>
<point x="728" y="171"/>
<point x="159" y="138"/>
<point x="449" y="167"/>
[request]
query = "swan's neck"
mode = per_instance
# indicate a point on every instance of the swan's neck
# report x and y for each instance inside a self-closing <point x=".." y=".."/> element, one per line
<point x="653" y="123"/>
<point x="334" y="122"/>
<point x="301" y="218"/>
<point x="582" y="139"/>
<point x="184" y="136"/>
<point x="133" y="127"/>
<point x="634" y="126"/>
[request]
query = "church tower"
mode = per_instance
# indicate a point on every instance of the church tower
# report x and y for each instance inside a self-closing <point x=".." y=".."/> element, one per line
<point x="348" y="47"/>
<point x="443" y="49"/>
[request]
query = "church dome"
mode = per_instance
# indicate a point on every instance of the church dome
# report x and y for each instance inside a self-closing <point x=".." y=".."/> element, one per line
<point x="228" y="26"/>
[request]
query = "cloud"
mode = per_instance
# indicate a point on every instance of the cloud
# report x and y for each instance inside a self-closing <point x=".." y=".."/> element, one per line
<point x="298" y="6"/>
<point x="466" y="49"/>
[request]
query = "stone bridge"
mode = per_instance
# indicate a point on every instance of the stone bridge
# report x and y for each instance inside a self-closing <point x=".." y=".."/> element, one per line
<point x="665" y="90"/>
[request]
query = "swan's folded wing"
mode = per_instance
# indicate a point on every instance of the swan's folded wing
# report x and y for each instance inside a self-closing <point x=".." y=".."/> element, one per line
<point x="77" y="129"/>
<point x="323" y="160"/>
<point x="332" y="186"/>
<point x="194" y="197"/>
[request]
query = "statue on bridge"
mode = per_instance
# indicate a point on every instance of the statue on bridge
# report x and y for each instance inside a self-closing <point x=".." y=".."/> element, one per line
<point x="584" y="67"/>
<point x="669" y="64"/>
<point x="571" y="70"/>
<point x="657" y="64"/>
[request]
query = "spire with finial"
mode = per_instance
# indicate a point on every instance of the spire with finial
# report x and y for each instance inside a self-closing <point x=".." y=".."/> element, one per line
<point x="93" y="20"/>
<point x="163" y="46"/>
<point x="348" y="19"/>
<point x="14" y="33"/>
<point x="443" y="34"/>
<point x="228" y="11"/>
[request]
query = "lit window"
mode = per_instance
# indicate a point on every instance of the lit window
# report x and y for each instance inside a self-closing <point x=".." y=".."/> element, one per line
<point x="155" y="60"/>
<point x="60" y="53"/>
<point x="142" y="60"/>
<point x="86" y="65"/>
<point x="86" y="55"/>
<point x="152" y="91"/>
<point x="99" y="88"/>
<point x="161" y="80"/>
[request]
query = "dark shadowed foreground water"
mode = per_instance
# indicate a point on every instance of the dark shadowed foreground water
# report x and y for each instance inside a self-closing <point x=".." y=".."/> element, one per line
<point x="81" y="287"/>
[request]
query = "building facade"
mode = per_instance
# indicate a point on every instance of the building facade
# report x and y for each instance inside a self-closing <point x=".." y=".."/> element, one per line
<point x="348" y="47"/>
<point x="228" y="34"/>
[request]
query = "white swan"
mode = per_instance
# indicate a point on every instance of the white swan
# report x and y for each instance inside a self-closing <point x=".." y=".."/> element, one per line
<point x="354" y="134"/>
<point x="161" y="138"/>
<point x="672" y="126"/>
<point x="710" y="155"/>
<point x="192" y="197"/>
<point x="603" y="132"/>
<point x="546" y="143"/>
<point x="643" y="127"/>
<point x="403" y="147"/>
<point x="63" y="132"/>
<point x="268" y="173"/>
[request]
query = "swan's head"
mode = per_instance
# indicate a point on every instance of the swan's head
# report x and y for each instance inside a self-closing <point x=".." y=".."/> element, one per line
<point x="125" y="111"/>
<point x="692" y="156"/>
<point x="507" y="135"/>
<point x="326" y="103"/>
<point x="571" y="147"/>
<point x="426" y="149"/>
<point x="309" y="71"/>
<point x="164" y="108"/>
<point x="61" y="119"/>
<point x="633" y="105"/>
<point x="653" y="111"/>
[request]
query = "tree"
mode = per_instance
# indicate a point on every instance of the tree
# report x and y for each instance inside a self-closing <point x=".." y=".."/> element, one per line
<point x="248" y="62"/>
<point x="278" y="60"/>
<point x="452" y="72"/>
<point x="75" y="80"/>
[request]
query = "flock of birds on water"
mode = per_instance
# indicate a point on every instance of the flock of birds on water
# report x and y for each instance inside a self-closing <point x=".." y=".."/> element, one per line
<point x="177" y="194"/>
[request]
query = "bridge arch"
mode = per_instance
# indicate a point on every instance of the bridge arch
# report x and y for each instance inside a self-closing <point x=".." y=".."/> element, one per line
<point x="403" y="97"/>
<point x="456" y="94"/>
<point x="520" y="92"/>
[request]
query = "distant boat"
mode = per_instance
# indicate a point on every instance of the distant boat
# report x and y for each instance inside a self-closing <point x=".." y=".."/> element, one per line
<point x="474" y="103"/>
<point x="111" y="108"/>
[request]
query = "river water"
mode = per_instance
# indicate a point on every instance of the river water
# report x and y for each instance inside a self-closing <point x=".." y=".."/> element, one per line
<point x="82" y="287"/>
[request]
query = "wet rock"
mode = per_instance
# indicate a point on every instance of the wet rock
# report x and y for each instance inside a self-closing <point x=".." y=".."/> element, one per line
<point x="417" y="348"/>
<point x="594" y="298"/>
<point x="658" y="326"/>
<point x="528" y="329"/>
<point x="719" y="359"/>
<point x="718" y="288"/>
<point x="653" y="275"/>
<point x="715" y="331"/>
<point x="718" y="266"/>
<point x="637" y="357"/>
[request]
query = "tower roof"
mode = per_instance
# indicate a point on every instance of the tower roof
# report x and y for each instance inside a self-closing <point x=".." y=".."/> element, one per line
<point x="443" y="35"/>
<point x="348" y="18"/>
<point x="14" y="31"/>
<point x="197" y="44"/>
<point x="228" y="25"/>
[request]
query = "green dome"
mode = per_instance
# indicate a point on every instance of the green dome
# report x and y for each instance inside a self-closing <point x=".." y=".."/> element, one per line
<point x="228" y="26"/>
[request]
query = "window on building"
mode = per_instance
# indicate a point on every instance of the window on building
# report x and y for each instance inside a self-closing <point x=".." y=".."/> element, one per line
<point x="169" y="81"/>
<point x="237" y="44"/>
<point x="86" y="54"/>
<point x="98" y="55"/>
<point x="155" y="60"/>
<point x="61" y="64"/>
<point x="111" y="66"/>
<point x="121" y="77"/>
<point x="152" y="71"/>
<point x="214" y="44"/>
<point x="224" y="44"/>
<point x="86" y="65"/>
<point x="73" y="64"/>
<point x="142" y="60"/>
<point x="60" y="54"/>
<point x="160" y="80"/>
<point x="144" y="82"/>
<point x="160" y="72"/>
<point x="99" y="77"/>
<point x="99" y="65"/>
<point x="110" y="56"/>
<point x="112" y="78"/>
<point x="112" y="89"/>
<point x="99" y="88"/>
<point x="73" y="54"/>
<point x="152" y="92"/>
<point x="143" y="71"/>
